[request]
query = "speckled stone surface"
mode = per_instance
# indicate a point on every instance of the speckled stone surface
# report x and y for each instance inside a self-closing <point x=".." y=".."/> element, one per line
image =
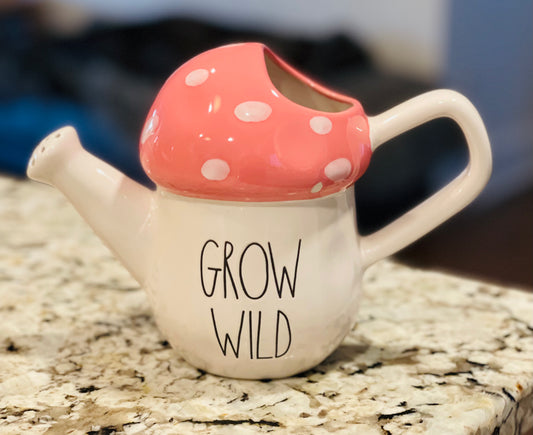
<point x="80" y="354"/>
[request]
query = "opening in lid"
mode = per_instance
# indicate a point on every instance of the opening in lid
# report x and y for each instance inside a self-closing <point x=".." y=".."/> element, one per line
<point x="298" y="91"/>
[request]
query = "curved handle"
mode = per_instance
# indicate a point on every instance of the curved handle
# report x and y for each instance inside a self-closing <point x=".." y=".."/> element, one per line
<point x="451" y="198"/>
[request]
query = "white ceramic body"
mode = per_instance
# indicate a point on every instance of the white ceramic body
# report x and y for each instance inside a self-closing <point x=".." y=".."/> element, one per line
<point x="216" y="268"/>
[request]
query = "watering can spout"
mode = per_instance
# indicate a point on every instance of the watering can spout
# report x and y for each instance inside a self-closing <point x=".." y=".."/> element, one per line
<point x="116" y="207"/>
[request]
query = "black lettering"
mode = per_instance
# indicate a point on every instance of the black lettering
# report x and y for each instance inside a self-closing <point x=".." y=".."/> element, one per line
<point x="227" y="270"/>
<point x="281" y="313"/>
<point x="251" y="335"/>
<point x="244" y="289"/>
<point x="284" y="273"/>
<point x="227" y="338"/>
<point x="216" y="269"/>
<point x="259" y="339"/>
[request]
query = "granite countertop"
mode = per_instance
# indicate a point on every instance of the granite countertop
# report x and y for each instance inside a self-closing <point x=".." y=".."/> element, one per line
<point x="80" y="354"/>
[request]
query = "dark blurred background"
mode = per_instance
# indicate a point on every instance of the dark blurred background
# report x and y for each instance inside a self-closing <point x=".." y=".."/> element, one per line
<point x="98" y="65"/>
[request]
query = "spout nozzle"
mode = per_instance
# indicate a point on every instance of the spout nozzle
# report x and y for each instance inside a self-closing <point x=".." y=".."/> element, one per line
<point x="116" y="207"/>
<point x="52" y="153"/>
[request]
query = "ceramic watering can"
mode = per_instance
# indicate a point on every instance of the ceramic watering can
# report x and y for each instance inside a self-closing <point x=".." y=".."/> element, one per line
<point x="248" y="248"/>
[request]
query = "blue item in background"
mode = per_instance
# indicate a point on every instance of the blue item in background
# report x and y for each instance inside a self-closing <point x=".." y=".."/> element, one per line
<point x="25" y="121"/>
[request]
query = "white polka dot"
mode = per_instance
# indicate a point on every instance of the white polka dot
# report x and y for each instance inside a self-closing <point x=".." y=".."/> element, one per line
<point x="196" y="77"/>
<point x="316" y="188"/>
<point x="320" y="124"/>
<point x="253" y="111"/>
<point x="150" y="126"/>
<point x="215" y="169"/>
<point x="338" y="169"/>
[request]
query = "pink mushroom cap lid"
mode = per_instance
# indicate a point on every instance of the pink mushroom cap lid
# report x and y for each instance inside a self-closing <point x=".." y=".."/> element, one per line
<point x="237" y="123"/>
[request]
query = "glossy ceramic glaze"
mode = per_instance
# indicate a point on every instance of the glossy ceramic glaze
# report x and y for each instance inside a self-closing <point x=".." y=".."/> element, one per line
<point x="221" y="129"/>
<point x="250" y="299"/>
<point x="267" y="285"/>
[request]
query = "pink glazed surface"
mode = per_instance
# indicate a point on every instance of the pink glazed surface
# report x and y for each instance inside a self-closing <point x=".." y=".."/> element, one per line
<point x="220" y="129"/>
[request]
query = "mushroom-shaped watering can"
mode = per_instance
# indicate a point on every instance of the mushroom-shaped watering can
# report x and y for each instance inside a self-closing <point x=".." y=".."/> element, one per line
<point x="248" y="248"/>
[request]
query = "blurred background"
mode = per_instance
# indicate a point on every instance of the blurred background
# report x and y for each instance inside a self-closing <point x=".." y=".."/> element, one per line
<point x="98" y="65"/>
